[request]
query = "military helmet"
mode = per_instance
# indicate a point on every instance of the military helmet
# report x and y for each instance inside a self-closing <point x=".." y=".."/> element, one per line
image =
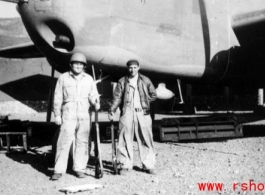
<point x="78" y="57"/>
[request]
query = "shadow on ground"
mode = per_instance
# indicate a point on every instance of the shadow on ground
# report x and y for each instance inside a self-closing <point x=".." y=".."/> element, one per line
<point x="43" y="135"/>
<point x="40" y="162"/>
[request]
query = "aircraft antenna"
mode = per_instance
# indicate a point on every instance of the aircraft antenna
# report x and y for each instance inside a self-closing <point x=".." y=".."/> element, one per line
<point x="93" y="70"/>
<point x="229" y="34"/>
<point x="229" y="38"/>
<point x="180" y="94"/>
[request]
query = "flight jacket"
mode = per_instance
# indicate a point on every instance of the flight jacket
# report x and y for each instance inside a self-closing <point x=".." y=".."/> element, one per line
<point x="120" y="95"/>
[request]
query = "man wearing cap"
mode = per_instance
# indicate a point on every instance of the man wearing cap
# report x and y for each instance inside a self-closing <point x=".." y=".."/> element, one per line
<point x="133" y="95"/>
<point x="75" y="91"/>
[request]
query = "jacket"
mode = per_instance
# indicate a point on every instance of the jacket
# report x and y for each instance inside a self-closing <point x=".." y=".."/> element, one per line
<point x="72" y="97"/>
<point x="120" y="95"/>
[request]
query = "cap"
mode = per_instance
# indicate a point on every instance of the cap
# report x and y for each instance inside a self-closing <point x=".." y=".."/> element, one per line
<point x="132" y="62"/>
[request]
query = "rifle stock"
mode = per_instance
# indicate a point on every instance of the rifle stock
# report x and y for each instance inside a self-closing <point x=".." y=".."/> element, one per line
<point x="99" y="165"/>
<point x="114" y="149"/>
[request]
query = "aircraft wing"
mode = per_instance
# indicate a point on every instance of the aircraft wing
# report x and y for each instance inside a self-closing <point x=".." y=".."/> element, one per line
<point x="249" y="27"/>
<point x="25" y="50"/>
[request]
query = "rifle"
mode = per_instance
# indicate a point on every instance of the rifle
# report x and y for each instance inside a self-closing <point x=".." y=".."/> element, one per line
<point x="98" y="165"/>
<point x="114" y="148"/>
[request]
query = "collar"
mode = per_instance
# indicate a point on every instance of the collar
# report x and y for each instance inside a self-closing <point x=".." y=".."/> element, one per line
<point x="139" y="77"/>
<point x="72" y="74"/>
<point x="134" y="78"/>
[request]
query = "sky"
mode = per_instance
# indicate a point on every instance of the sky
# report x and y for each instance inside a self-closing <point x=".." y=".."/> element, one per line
<point x="8" y="10"/>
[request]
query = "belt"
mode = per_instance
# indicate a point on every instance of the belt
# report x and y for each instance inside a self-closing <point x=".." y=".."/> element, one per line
<point x="76" y="100"/>
<point x="138" y="109"/>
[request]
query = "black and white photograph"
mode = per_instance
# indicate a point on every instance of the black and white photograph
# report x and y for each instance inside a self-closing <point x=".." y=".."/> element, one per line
<point x="132" y="97"/>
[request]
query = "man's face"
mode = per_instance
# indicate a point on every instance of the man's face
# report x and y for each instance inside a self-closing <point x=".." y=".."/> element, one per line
<point x="133" y="70"/>
<point x="77" y="68"/>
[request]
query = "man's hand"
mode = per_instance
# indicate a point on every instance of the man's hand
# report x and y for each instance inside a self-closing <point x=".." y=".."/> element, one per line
<point x="58" y="120"/>
<point x="111" y="116"/>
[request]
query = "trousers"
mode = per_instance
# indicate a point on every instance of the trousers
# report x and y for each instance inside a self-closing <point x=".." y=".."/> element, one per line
<point x="77" y="132"/>
<point x="135" y="123"/>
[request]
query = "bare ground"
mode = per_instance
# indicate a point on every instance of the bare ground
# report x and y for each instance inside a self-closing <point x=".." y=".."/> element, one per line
<point x="179" y="167"/>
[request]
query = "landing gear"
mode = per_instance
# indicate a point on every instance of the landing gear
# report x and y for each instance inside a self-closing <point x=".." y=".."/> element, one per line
<point x="51" y="93"/>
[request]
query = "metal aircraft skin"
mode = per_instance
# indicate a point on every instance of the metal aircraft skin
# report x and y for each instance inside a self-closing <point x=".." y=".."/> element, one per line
<point x="188" y="39"/>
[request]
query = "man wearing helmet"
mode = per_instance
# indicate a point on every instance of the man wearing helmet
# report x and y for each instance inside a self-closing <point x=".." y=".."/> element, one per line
<point x="75" y="91"/>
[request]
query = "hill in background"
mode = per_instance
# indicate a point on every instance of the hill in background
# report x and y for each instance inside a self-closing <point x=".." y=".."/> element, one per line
<point x="13" y="27"/>
<point x="12" y="32"/>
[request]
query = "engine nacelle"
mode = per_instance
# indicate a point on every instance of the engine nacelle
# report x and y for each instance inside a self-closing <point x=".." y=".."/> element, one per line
<point x="163" y="93"/>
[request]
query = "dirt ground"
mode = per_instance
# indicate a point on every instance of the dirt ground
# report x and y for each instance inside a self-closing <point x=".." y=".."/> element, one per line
<point x="239" y="164"/>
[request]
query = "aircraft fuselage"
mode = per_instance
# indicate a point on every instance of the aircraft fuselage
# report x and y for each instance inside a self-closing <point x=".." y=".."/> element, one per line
<point x="170" y="38"/>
